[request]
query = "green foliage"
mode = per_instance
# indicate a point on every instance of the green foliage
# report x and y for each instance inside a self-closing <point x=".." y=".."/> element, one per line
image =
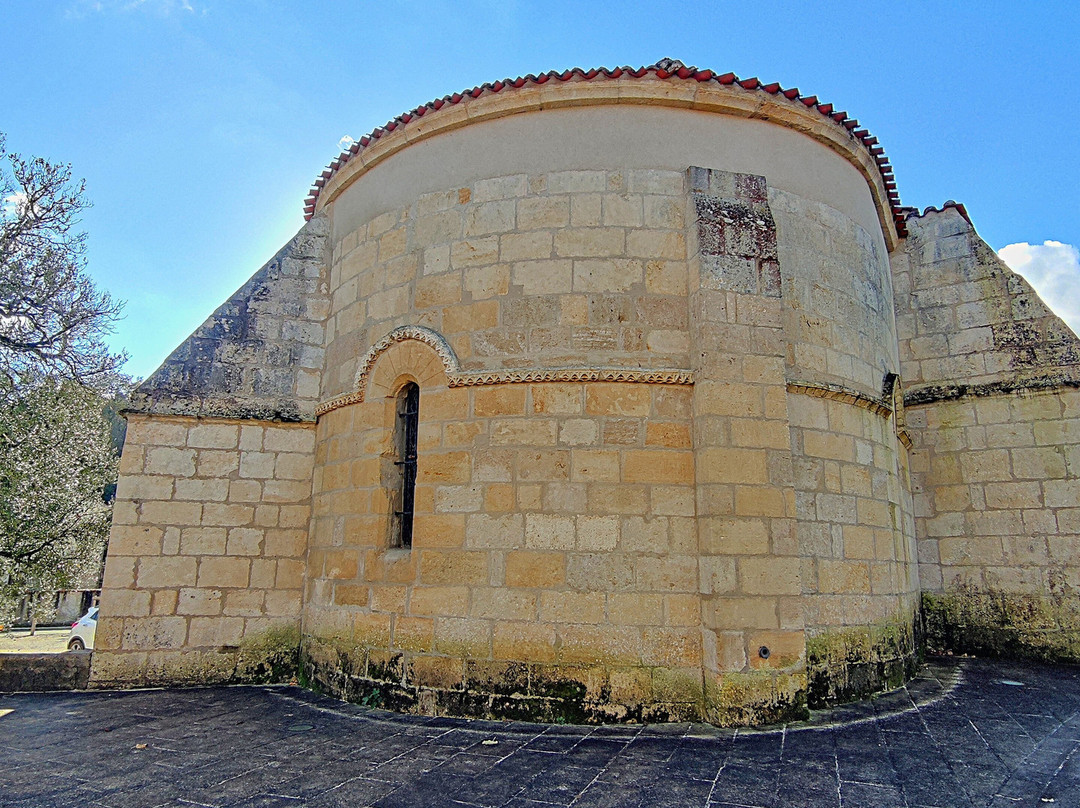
<point x="58" y="446"/>
<point x="56" y="461"/>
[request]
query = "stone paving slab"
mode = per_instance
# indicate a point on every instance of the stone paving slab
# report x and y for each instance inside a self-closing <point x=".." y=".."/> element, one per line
<point x="964" y="733"/>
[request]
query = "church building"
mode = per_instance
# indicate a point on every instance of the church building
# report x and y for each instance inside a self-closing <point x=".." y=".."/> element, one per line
<point x="604" y="395"/>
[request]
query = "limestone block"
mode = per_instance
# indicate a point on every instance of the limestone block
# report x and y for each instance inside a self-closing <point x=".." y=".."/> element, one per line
<point x="529" y="569"/>
<point x="218" y="464"/>
<point x="126" y="603"/>
<point x="153" y="633"/>
<point x="473" y="252"/>
<point x="607" y="275"/>
<point x="597" y="533"/>
<point x="169" y="461"/>
<point x="134" y="540"/>
<point x="453" y="567"/>
<point x="213" y="436"/>
<point x="226" y="515"/>
<point x="201" y="490"/>
<point x="290" y="574"/>
<point x="487" y="281"/>
<point x="215" y="631"/>
<point x="521" y="640"/>
<point x="221" y="571"/>
<point x="665" y="467"/>
<point x="413" y="633"/>
<point x="592" y="242"/>
<point x="632" y="608"/>
<point x="429" y="601"/>
<point x="542" y="212"/>
<point x="572" y="607"/>
<point x="286" y="440"/>
<point x="286" y="491"/>
<point x="257" y="465"/>
<point x="503" y="531"/>
<point x="504" y="604"/>
<point x="671" y="574"/>
<point x="161" y="572"/>
<point x="199" y="601"/>
<point x="545" y="531"/>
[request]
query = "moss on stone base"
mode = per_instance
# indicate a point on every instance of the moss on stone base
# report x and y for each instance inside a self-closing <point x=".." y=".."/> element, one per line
<point x="270" y="657"/>
<point x="990" y="622"/>
<point x="750" y="698"/>
<point x="857" y="662"/>
<point x="436" y="685"/>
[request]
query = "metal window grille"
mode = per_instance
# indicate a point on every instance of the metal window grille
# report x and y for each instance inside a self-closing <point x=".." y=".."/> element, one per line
<point x="407" y="427"/>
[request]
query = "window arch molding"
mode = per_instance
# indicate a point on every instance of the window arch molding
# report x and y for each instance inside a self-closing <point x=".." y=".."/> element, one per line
<point x="370" y="374"/>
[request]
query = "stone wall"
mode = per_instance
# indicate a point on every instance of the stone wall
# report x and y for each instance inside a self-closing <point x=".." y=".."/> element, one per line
<point x="553" y="571"/>
<point x="584" y="543"/>
<point x="260" y="355"/>
<point x="998" y="482"/>
<point x="857" y="542"/>
<point x="547" y="270"/>
<point x="967" y="323"/>
<point x="853" y="506"/>
<point x="993" y="409"/>
<point x="665" y="416"/>
<point x="205" y="566"/>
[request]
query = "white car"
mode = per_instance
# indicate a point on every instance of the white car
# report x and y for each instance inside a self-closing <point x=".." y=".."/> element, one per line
<point x="82" y="632"/>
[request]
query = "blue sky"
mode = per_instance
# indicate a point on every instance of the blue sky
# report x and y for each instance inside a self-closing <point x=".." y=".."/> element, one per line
<point x="200" y="124"/>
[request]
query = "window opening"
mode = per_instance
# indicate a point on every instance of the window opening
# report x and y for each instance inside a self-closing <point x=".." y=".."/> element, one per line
<point x="406" y="428"/>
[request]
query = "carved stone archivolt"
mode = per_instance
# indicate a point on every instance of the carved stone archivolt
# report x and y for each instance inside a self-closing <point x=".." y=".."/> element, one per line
<point x="457" y="378"/>
<point x="429" y="337"/>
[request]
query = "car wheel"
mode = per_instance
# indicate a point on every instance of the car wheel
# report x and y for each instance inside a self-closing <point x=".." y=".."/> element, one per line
<point x="76" y="645"/>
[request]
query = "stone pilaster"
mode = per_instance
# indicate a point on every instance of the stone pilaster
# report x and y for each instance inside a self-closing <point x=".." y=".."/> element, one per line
<point x="750" y="570"/>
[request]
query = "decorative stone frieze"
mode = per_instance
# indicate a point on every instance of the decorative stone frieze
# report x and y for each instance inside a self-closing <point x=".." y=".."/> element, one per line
<point x="457" y="379"/>
<point x="835" y="392"/>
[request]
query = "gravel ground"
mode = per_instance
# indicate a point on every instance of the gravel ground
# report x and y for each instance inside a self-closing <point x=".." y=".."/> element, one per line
<point x="45" y="641"/>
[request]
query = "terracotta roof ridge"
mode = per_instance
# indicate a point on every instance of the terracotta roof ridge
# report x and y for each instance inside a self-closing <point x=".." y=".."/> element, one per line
<point x="910" y="213"/>
<point x="666" y="68"/>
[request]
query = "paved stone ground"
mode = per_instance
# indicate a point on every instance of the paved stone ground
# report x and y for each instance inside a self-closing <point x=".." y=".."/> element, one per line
<point x="970" y="733"/>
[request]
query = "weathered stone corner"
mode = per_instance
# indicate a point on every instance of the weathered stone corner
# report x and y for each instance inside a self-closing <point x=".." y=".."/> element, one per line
<point x="260" y="355"/>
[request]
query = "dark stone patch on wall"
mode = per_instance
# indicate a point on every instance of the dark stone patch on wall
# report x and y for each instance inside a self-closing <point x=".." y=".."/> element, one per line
<point x="950" y="392"/>
<point x="736" y="233"/>
<point x="260" y="355"/>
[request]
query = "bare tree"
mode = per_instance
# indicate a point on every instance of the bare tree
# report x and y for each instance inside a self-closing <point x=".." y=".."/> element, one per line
<point x="53" y="319"/>
<point x="57" y="459"/>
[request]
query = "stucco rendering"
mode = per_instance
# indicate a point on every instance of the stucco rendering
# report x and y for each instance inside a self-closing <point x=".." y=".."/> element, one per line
<point x="599" y="396"/>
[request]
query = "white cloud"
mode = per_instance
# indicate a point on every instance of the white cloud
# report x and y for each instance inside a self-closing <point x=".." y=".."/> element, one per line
<point x="14" y="204"/>
<point x="82" y="8"/>
<point x="1053" y="268"/>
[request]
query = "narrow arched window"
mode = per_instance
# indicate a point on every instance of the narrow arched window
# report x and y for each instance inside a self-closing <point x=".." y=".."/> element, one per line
<point x="405" y="431"/>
